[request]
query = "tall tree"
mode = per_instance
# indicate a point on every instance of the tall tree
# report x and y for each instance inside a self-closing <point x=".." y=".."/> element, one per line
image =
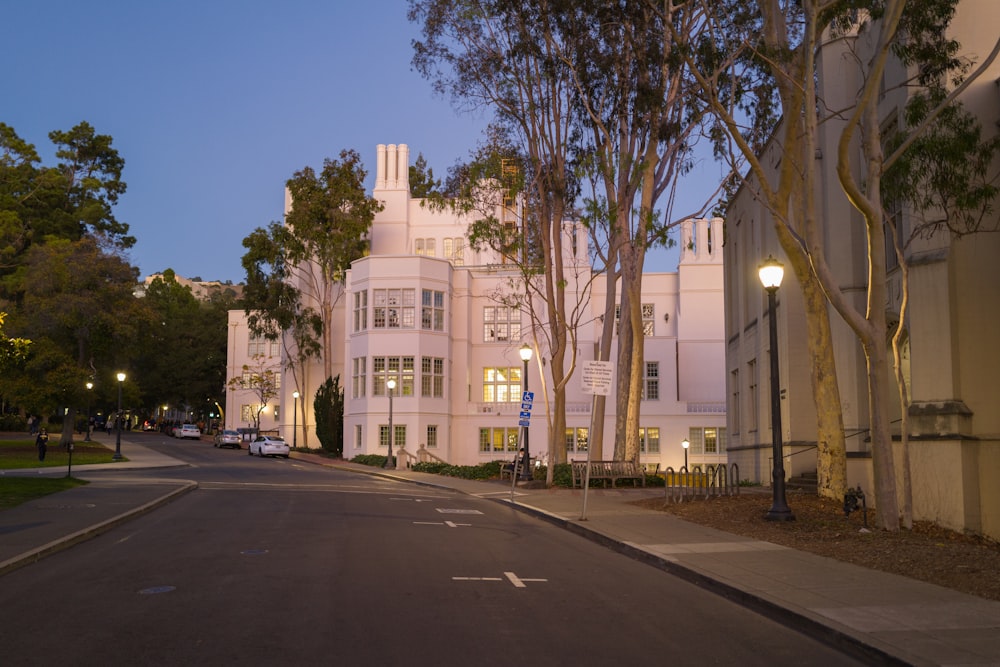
<point x="294" y="269"/>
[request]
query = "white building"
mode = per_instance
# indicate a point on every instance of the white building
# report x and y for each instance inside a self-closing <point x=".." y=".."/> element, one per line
<point x="424" y="310"/>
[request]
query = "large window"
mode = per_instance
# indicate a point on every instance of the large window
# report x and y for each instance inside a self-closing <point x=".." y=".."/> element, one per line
<point x="359" y="376"/>
<point x="432" y="377"/>
<point x="648" y="321"/>
<point x="399" y="369"/>
<point x="393" y="308"/>
<point x="423" y="247"/>
<point x="502" y="385"/>
<point x="707" y="440"/>
<point x="398" y="436"/>
<point x="361" y="310"/>
<point x="577" y="439"/>
<point x="651" y="383"/>
<point x="754" y="396"/>
<point x="498" y="439"/>
<point x="432" y="310"/>
<point x="501" y="324"/>
<point x="454" y="251"/>
<point x="432" y="436"/>
<point x="258" y="346"/>
<point x="649" y="439"/>
<point x="357" y="436"/>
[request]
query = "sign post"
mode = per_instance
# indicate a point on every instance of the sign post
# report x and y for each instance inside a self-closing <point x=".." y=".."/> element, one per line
<point x="596" y="379"/>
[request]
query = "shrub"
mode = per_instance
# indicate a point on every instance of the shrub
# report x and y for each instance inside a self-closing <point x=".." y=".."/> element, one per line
<point x="374" y="460"/>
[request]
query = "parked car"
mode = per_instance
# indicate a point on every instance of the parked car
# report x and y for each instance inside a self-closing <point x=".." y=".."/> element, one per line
<point x="269" y="445"/>
<point x="187" y="431"/>
<point x="228" y="438"/>
<point x="149" y="425"/>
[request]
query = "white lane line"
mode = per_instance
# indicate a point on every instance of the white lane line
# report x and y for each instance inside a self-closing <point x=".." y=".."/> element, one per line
<point x="517" y="581"/>
<point x="450" y="524"/>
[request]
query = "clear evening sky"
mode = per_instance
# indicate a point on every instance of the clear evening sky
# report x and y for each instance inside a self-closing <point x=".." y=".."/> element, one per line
<point x="214" y="104"/>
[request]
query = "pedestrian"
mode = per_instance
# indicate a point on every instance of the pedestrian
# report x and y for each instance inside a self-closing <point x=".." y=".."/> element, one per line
<point x="32" y="423"/>
<point x="41" y="442"/>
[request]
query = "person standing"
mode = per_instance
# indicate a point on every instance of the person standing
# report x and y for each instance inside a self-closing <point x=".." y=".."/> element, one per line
<point x="42" y="443"/>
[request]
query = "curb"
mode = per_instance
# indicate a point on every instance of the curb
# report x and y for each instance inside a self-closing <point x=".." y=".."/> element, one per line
<point x="72" y="539"/>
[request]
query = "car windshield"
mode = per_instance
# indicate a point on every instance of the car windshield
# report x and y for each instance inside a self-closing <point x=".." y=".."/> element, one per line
<point x="276" y="438"/>
<point x="230" y="433"/>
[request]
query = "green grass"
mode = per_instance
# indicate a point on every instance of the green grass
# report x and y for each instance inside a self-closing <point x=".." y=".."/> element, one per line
<point x="15" y="454"/>
<point x="17" y="490"/>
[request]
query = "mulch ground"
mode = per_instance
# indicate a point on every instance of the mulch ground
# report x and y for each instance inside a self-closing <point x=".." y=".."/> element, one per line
<point x="927" y="552"/>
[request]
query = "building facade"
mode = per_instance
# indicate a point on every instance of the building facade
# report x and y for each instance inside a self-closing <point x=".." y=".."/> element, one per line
<point x="950" y="359"/>
<point x="428" y="312"/>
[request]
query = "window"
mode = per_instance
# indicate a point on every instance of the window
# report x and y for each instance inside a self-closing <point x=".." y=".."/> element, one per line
<point x="754" y="395"/>
<point x="257" y="346"/>
<point x="707" y="440"/>
<point x="400" y="369"/>
<point x="651" y="383"/>
<point x="502" y="385"/>
<point x="277" y="413"/>
<point x="649" y="440"/>
<point x="577" y="439"/>
<point x="361" y="310"/>
<point x="393" y="308"/>
<point x="246" y="413"/>
<point x="432" y="437"/>
<point x="501" y="324"/>
<point x="432" y="377"/>
<point x="424" y="247"/>
<point x="734" y="407"/>
<point x="454" y="251"/>
<point x="358" y="376"/>
<point x="398" y="436"/>
<point x="648" y="324"/>
<point x="432" y="310"/>
<point x="357" y="436"/>
<point x="498" y="439"/>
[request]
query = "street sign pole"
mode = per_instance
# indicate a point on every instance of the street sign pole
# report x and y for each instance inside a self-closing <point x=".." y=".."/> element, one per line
<point x="596" y="377"/>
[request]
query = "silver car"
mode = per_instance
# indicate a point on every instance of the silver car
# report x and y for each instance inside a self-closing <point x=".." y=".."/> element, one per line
<point x="228" y="438"/>
<point x="269" y="445"/>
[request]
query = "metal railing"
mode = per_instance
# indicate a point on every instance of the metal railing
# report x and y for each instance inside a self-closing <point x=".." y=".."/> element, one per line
<point x="713" y="480"/>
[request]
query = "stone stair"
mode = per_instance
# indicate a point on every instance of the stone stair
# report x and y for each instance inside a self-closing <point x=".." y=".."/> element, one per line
<point x="806" y="482"/>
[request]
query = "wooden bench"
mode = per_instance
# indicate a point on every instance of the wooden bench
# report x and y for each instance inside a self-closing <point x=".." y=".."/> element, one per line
<point x="608" y="471"/>
<point x="507" y="468"/>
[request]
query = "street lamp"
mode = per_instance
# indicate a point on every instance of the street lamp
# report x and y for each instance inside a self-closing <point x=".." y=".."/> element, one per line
<point x="295" y="418"/>
<point x="118" y="421"/>
<point x="526" y="353"/>
<point x="771" y="272"/>
<point x="390" y="384"/>
<point x="90" y="387"/>
<point x="685" y="444"/>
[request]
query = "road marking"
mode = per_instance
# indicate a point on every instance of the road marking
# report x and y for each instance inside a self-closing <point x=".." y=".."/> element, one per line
<point x="443" y="510"/>
<point x="416" y="500"/>
<point x="517" y="581"/>
<point x="450" y="524"/>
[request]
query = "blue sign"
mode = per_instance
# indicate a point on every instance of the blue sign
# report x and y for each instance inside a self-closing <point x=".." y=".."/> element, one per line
<point x="523" y="422"/>
<point x="526" y="415"/>
<point x="528" y="397"/>
<point x="526" y="406"/>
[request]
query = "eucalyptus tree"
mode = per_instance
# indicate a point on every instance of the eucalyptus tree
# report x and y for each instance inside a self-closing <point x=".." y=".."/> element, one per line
<point x="506" y="55"/>
<point x="761" y="59"/>
<point x="294" y="268"/>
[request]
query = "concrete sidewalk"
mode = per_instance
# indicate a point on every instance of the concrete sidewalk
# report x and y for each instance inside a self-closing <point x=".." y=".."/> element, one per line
<point x="881" y="618"/>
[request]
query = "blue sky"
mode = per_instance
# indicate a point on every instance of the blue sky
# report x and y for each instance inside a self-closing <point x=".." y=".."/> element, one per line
<point x="214" y="104"/>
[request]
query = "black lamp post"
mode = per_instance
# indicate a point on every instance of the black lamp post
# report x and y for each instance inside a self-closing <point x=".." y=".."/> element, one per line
<point x="685" y="443"/>
<point x="90" y="387"/>
<point x="526" y="353"/>
<point x="295" y="419"/>
<point x="771" y="272"/>
<point x="118" y="421"/>
<point x="390" y="384"/>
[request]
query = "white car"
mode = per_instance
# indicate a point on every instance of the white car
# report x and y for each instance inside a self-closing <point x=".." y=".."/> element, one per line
<point x="269" y="445"/>
<point x="187" y="431"/>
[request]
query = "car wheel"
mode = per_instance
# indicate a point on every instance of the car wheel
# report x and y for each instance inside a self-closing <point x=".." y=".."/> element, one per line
<point x="250" y="450"/>
<point x="285" y="456"/>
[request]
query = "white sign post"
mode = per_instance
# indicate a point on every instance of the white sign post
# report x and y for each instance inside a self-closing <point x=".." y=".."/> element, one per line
<point x="596" y="378"/>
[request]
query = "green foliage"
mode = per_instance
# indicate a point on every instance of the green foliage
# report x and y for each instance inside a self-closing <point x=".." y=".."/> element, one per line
<point x="488" y="470"/>
<point x="18" y="490"/>
<point x="374" y="460"/>
<point x="328" y="408"/>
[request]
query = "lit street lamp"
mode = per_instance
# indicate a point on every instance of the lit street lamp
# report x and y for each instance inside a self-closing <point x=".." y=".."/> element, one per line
<point x="295" y="418"/>
<point x="526" y="353"/>
<point x="685" y="444"/>
<point x="771" y="272"/>
<point x="391" y="384"/>
<point x="118" y="421"/>
<point x="90" y="387"/>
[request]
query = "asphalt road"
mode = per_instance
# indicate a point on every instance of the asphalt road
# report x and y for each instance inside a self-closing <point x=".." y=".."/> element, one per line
<point x="277" y="562"/>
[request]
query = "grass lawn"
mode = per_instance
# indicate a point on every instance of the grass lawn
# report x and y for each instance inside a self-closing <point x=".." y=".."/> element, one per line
<point x="22" y="454"/>
<point x="17" y="490"/>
